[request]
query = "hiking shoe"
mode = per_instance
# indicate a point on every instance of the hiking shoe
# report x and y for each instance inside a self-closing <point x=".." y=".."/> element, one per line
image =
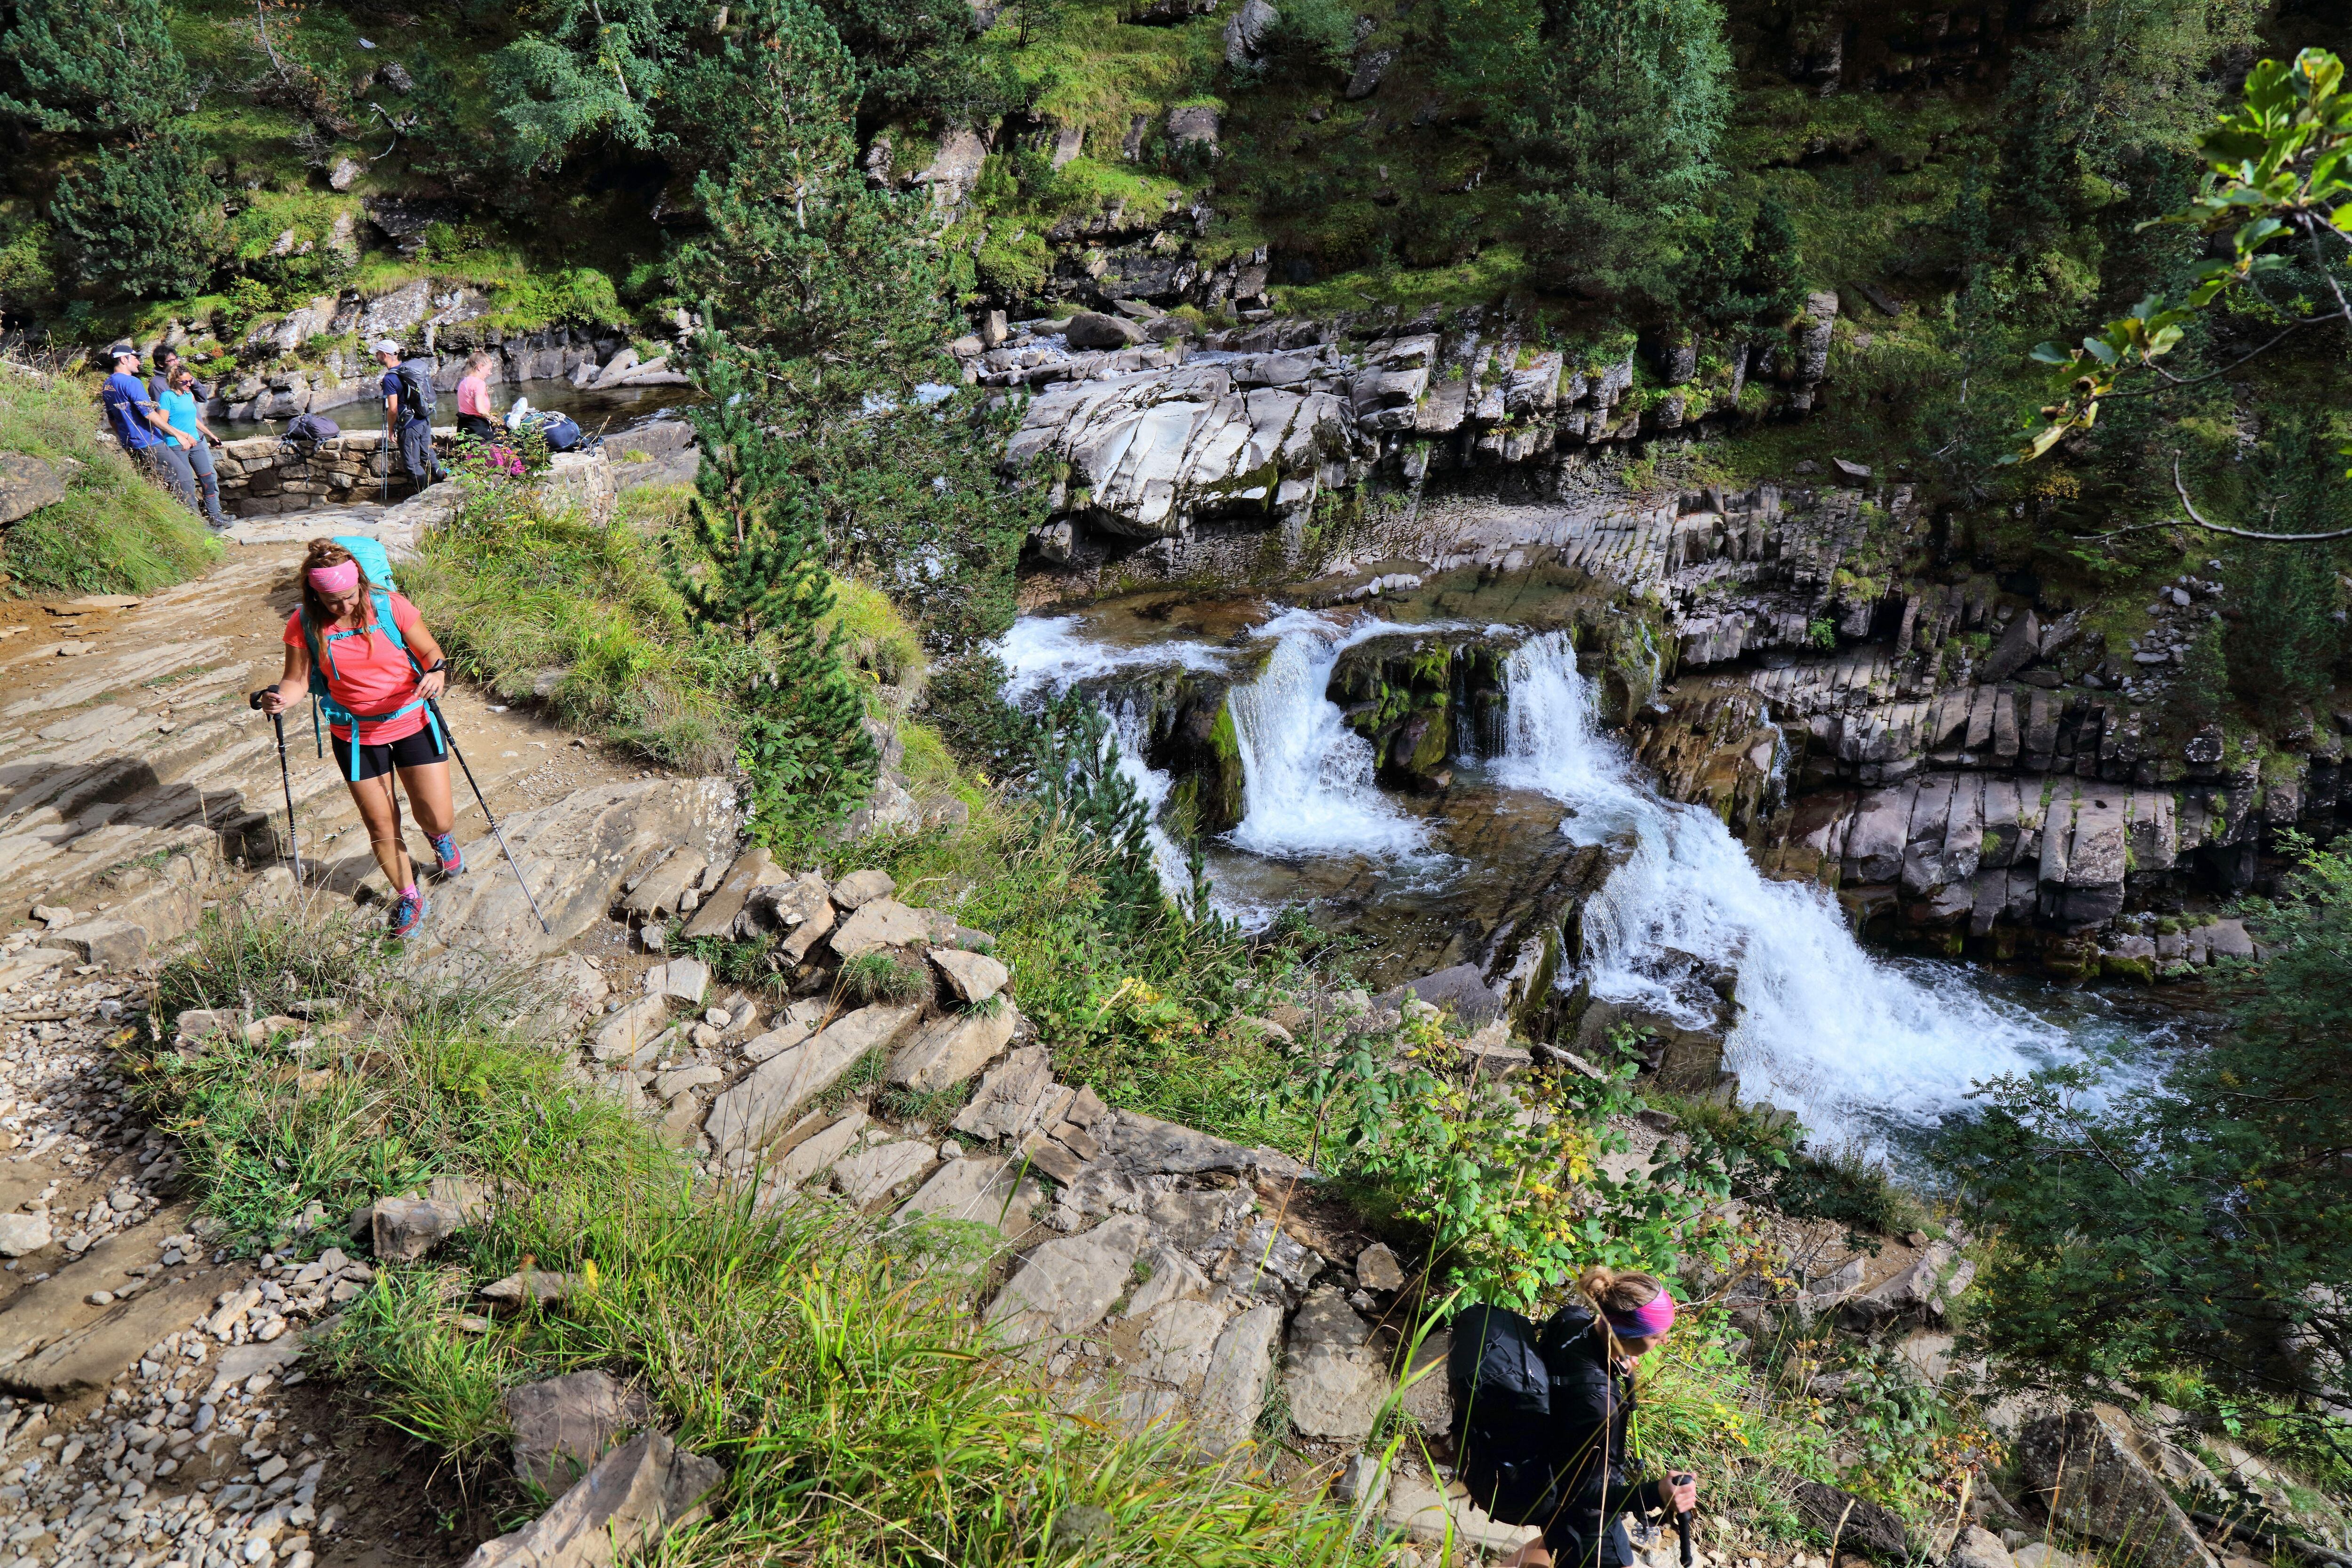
<point x="408" y="914"/>
<point x="453" y="860"/>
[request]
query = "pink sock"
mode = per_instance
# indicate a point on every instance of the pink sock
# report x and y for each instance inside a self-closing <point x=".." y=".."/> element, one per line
<point x="409" y="891"/>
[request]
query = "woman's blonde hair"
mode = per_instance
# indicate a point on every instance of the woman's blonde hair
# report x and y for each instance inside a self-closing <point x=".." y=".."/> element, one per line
<point x="1619" y="1290"/>
<point x="482" y="359"/>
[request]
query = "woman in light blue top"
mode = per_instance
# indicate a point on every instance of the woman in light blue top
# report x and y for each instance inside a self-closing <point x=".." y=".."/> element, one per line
<point x="187" y="417"/>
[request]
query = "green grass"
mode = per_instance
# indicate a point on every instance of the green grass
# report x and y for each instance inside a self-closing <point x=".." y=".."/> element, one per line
<point x="840" y="1377"/>
<point x="880" y="977"/>
<point x="116" y="532"/>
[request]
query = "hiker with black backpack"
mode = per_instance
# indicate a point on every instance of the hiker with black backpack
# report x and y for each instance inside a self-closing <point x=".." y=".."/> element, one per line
<point x="381" y="672"/>
<point x="1540" y="1418"/>
<point x="407" y="413"/>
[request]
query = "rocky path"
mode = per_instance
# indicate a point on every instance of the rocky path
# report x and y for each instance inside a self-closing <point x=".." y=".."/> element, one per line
<point x="136" y="785"/>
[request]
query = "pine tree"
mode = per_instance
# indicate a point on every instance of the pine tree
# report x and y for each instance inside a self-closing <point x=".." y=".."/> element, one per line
<point x="845" y="301"/>
<point x="1073" y="764"/>
<point x="804" y="744"/>
<point x="1615" y="118"/>
<point x="97" y="70"/>
<point x="146" y="221"/>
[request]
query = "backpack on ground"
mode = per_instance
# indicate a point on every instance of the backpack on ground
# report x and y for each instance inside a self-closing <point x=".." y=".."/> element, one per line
<point x="309" y="429"/>
<point x="559" y="431"/>
<point x="416" y="390"/>
<point x="376" y="563"/>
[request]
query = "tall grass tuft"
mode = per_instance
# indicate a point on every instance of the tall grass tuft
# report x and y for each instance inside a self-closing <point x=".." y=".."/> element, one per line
<point x="116" y="532"/>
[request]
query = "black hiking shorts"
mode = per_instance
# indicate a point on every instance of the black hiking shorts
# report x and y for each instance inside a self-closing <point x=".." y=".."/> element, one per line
<point x="420" y="748"/>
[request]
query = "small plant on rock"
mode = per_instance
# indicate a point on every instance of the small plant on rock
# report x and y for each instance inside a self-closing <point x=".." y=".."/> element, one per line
<point x="880" y="977"/>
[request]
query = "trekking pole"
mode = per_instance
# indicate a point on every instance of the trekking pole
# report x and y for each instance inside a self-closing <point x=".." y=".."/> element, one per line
<point x="496" y="830"/>
<point x="1683" y="1522"/>
<point x="285" y="777"/>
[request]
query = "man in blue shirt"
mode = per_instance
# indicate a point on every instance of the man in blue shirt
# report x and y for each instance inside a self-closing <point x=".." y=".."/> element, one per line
<point x="144" y="431"/>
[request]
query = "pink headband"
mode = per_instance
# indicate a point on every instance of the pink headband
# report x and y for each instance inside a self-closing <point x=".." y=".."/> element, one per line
<point x="340" y="578"/>
<point x="1653" y="1318"/>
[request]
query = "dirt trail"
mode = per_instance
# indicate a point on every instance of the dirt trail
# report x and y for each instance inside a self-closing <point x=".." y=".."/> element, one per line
<point x="126" y="743"/>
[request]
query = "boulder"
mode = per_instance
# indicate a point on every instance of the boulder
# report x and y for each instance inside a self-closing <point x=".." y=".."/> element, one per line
<point x="2019" y="646"/>
<point x="1193" y="125"/>
<point x="972" y="976"/>
<point x="23" y="1233"/>
<point x="345" y="174"/>
<point x="636" y="1026"/>
<point x="748" y="1115"/>
<point x="1093" y="330"/>
<point x="1232" y="1391"/>
<point x="1015" y="1098"/>
<point x="1067" y="1285"/>
<point x="1377" y="1269"/>
<point x="26" y="484"/>
<point x="2083" y="1467"/>
<point x="685" y="979"/>
<point x="880" y="923"/>
<point x="1366" y="78"/>
<point x="863" y="888"/>
<point x="563" y="1424"/>
<point x="1333" y="1375"/>
<point x="716" y="915"/>
<point x="952" y="1048"/>
<point x="1978" y="1548"/>
<point x="117" y="944"/>
<point x="656" y="893"/>
<point x="402" y="1230"/>
<point x="1908" y="1291"/>
<point x="956" y="167"/>
<point x="978" y="1188"/>
<point x="1857" y="1523"/>
<point x="1462" y="989"/>
<point x="621" y="1506"/>
<point x="1246" y="34"/>
<point x="1147" y="1144"/>
<point x="878" y="1170"/>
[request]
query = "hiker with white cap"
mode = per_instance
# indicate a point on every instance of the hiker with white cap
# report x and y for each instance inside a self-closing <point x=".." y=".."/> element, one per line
<point x="407" y="413"/>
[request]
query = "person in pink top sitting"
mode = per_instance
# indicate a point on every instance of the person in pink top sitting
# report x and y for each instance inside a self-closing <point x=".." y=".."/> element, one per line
<point x="474" y="417"/>
<point x="383" y="685"/>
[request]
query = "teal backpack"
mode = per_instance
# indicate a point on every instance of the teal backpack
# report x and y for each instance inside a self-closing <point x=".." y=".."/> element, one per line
<point x="377" y="566"/>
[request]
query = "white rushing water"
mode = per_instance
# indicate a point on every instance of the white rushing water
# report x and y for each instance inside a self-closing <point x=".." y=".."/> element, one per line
<point x="1048" y="653"/>
<point x="1309" y="776"/>
<point x="1862" y="1048"/>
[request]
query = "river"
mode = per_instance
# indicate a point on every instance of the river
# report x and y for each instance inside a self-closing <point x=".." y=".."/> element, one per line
<point x="1872" y="1051"/>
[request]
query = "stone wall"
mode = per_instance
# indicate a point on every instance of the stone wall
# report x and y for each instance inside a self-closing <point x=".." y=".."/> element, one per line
<point x="264" y="476"/>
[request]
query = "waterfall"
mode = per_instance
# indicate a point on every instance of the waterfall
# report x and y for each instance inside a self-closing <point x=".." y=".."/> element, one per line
<point x="1859" y="1048"/>
<point x="1308" y="777"/>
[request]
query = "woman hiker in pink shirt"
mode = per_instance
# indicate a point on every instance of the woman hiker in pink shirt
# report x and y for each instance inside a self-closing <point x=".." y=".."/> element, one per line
<point x="474" y="417"/>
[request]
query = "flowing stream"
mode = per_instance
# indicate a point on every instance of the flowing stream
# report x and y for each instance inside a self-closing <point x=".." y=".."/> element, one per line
<point x="1871" y="1052"/>
<point x="1862" y="1047"/>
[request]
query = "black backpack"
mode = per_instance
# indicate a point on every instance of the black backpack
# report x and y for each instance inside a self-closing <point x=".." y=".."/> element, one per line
<point x="415" y="394"/>
<point x="561" y="431"/>
<point x="309" y="429"/>
<point x="1500" y="1379"/>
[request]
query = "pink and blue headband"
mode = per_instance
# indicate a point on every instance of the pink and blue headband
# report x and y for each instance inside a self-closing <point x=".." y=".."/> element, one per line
<point x="340" y="578"/>
<point x="1653" y="1318"/>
